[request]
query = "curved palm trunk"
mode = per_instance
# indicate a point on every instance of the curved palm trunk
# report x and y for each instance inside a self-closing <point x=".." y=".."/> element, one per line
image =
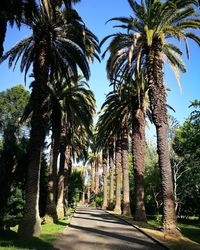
<point x="31" y="223"/>
<point x="138" y="155"/>
<point x="51" y="213"/>
<point x="157" y="96"/>
<point x="118" y="176"/>
<point x="96" y="176"/>
<point x="3" y="28"/>
<point x="111" y="164"/>
<point x="105" y="199"/>
<point x="126" y="192"/>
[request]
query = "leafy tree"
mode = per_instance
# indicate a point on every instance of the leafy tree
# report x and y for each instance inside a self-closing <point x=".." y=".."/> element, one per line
<point x="12" y="155"/>
<point x="76" y="185"/>
<point x="186" y="145"/>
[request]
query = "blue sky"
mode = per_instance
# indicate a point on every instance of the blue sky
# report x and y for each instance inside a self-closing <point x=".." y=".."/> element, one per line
<point x="95" y="14"/>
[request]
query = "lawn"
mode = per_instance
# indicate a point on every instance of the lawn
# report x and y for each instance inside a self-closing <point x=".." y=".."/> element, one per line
<point x="10" y="241"/>
<point x="189" y="229"/>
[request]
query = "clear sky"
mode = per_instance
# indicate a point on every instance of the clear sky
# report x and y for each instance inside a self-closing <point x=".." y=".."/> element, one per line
<point x="95" y="14"/>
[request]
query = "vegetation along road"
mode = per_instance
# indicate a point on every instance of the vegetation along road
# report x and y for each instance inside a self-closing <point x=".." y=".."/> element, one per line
<point x="95" y="229"/>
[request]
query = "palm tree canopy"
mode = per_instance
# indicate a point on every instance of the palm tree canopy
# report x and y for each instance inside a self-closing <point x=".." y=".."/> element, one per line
<point x="152" y="21"/>
<point x="68" y="43"/>
<point x="77" y="104"/>
<point x="16" y="10"/>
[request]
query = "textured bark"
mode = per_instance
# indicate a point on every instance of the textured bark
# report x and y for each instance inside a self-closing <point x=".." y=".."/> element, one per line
<point x="92" y="177"/>
<point x="61" y="175"/>
<point x="118" y="163"/>
<point x="51" y="213"/>
<point x="138" y="154"/>
<point x="157" y="96"/>
<point x="111" y="165"/>
<point x="96" y="176"/>
<point x="104" y="164"/>
<point x="3" y="28"/>
<point x="31" y="223"/>
<point x="67" y="173"/>
<point x="126" y="192"/>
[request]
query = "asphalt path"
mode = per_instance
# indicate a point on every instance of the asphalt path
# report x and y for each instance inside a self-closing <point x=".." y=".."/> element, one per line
<point x="94" y="229"/>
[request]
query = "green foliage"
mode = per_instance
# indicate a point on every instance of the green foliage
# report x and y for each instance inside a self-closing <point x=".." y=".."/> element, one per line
<point x="187" y="145"/>
<point x="76" y="185"/>
<point x="12" y="104"/>
<point x="14" y="208"/>
<point x="152" y="180"/>
<point x="13" y="152"/>
<point x="96" y="200"/>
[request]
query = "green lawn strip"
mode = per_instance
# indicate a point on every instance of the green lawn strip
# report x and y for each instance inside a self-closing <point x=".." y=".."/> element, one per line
<point x="9" y="239"/>
<point x="190" y="232"/>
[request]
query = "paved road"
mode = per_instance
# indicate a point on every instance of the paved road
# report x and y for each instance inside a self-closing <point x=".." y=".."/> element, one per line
<point x="94" y="229"/>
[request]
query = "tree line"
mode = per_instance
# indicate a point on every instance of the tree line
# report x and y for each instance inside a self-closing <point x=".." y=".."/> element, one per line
<point x="57" y="52"/>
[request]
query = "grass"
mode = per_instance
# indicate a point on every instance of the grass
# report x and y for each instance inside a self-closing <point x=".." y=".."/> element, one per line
<point x="9" y="239"/>
<point x="189" y="240"/>
<point x="189" y="229"/>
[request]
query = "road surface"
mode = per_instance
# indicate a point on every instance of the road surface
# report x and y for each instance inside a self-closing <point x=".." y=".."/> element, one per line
<point x="94" y="229"/>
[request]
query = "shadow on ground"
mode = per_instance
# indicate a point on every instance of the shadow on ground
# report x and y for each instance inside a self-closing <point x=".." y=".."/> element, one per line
<point x="10" y="239"/>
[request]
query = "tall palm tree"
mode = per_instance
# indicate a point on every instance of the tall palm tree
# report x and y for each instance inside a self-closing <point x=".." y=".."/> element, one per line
<point x="113" y="123"/>
<point x="13" y="12"/>
<point x="56" y="44"/>
<point x="77" y="106"/>
<point x="145" y="45"/>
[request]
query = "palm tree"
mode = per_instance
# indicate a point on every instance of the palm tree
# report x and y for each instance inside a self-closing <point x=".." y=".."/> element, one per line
<point x="55" y="45"/>
<point x="77" y="107"/>
<point x="145" y="45"/>
<point x="113" y="123"/>
<point x="13" y="12"/>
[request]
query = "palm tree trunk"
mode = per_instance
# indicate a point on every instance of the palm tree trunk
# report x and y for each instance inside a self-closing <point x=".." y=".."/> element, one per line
<point x="111" y="164"/>
<point x="3" y="28"/>
<point x="126" y="192"/>
<point x="31" y="223"/>
<point x="118" y="175"/>
<point x="157" y="94"/>
<point x="105" y="199"/>
<point x="92" y="177"/>
<point x="67" y="173"/>
<point x="138" y="155"/>
<point x="97" y="176"/>
<point x="51" y="213"/>
<point x="61" y="176"/>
